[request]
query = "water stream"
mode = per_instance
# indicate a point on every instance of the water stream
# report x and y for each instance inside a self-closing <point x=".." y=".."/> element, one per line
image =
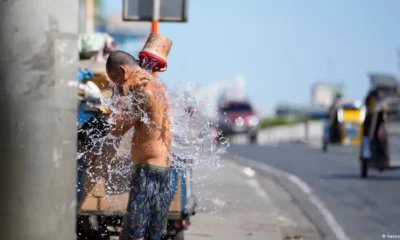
<point x="107" y="159"/>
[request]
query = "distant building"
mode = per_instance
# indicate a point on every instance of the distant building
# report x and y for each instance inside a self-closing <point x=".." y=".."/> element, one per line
<point x="322" y="94"/>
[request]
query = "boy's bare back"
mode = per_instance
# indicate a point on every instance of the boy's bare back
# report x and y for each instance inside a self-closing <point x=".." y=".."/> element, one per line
<point x="152" y="139"/>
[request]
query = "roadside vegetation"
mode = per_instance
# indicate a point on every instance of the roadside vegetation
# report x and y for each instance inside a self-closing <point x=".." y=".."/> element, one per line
<point x="280" y="121"/>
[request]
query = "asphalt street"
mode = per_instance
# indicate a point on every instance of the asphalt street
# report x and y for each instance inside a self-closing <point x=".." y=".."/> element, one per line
<point x="234" y="202"/>
<point x="365" y="208"/>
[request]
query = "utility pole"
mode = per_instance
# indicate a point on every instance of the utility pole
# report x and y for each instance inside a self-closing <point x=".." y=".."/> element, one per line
<point x="156" y="16"/>
<point x="155" y="21"/>
<point x="38" y="58"/>
<point x="90" y="16"/>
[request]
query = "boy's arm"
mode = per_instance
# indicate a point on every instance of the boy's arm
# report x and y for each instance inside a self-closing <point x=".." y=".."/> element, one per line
<point x="121" y="123"/>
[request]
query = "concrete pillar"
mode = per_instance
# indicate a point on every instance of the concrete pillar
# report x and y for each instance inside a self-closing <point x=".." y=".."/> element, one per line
<point x="38" y="57"/>
<point x="82" y="17"/>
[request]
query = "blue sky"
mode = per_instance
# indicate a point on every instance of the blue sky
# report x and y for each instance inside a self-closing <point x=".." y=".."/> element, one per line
<point x="283" y="46"/>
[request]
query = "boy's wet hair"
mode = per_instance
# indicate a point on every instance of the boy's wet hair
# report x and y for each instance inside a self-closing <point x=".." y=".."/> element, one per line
<point x="120" y="58"/>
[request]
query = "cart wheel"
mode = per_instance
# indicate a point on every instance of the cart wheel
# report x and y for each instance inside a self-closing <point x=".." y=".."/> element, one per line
<point x="178" y="236"/>
<point x="363" y="168"/>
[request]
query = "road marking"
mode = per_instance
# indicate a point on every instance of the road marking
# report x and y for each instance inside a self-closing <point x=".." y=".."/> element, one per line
<point x="328" y="216"/>
<point x="249" y="172"/>
<point x="302" y="185"/>
<point x="253" y="183"/>
<point x="306" y="189"/>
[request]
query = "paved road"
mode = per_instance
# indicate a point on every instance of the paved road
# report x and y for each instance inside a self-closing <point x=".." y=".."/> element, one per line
<point x="366" y="209"/>
<point x="236" y="203"/>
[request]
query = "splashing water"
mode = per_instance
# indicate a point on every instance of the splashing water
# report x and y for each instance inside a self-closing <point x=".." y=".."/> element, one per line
<point x="107" y="159"/>
<point x="192" y="133"/>
<point x="148" y="64"/>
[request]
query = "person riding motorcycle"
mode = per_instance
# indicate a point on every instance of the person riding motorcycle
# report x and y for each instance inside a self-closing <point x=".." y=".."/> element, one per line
<point x="332" y="121"/>
<point x="379" y="132"/>
<point x="371" y="100"/>
<point x="338" y="97"/>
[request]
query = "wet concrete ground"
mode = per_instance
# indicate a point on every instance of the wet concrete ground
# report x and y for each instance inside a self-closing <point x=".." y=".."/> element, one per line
<point x="237" y="203"/>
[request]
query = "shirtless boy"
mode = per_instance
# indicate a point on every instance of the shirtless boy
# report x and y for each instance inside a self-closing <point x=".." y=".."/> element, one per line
<point x="150" y="194"/>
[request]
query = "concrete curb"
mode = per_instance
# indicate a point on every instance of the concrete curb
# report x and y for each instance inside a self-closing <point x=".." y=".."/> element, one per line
<point x="311" y="205"/>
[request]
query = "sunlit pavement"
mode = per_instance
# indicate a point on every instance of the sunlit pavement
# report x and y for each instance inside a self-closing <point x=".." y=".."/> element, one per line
<point x="236" y="203"/>
<point x="364" y="208"/>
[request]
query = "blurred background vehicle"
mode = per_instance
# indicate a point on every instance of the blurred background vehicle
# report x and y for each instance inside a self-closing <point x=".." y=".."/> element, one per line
<point x="343" y="124"/>
<point x="214" y="133"/>
<point x="238" y="117"/>
<point x="379" y="150"/>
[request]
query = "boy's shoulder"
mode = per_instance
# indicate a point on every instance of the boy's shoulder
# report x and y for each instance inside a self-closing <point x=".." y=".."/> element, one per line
<point x="155" y="84"/>
<point x="156" y="88"/>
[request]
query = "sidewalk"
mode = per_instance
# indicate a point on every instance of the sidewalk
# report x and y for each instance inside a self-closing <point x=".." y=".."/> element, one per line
<point x="234" y="203"/>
